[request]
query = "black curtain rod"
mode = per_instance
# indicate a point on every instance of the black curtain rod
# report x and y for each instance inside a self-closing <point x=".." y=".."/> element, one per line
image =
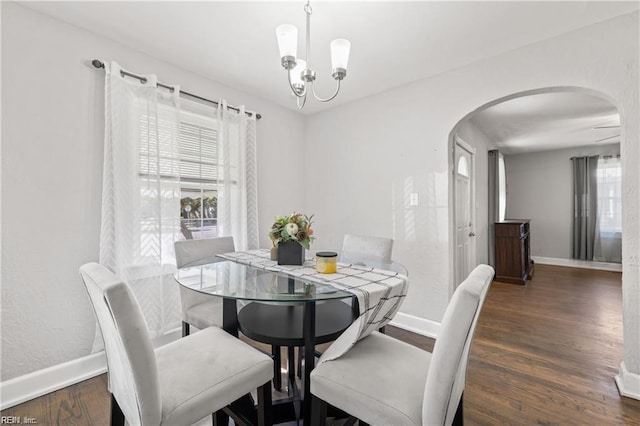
<point x="99" y="64"/>
<point x="597" y="155"/>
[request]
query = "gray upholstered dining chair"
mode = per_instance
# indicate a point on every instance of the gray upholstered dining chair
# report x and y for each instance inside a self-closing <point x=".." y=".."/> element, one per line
<point x="384" y="381"/>
<point x="203" y="310"/>
<point x="355" y="248"/>
<point x="366" y="251"/>
<point x="361" y="250"/>
<point x="178" y="383"/>
<point x="200" y="310"/>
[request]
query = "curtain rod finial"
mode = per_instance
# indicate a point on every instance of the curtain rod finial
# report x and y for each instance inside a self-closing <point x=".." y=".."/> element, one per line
<point x="97" y="63"/>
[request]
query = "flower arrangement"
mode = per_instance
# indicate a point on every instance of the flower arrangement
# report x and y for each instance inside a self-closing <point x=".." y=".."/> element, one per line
<point x="296" y="227"/>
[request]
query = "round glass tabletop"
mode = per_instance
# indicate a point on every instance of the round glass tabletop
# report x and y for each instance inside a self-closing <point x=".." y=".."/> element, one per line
<point x="237" y="281"/>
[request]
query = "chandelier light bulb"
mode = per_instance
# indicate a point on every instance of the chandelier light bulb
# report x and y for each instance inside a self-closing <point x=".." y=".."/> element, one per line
<point x="340" y="53"/>
<point x="287" y="40"/>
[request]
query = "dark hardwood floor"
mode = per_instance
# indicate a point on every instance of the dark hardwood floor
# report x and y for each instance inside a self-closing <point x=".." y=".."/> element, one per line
<point x="543" y="354"/>
<point x="546" y="353"/>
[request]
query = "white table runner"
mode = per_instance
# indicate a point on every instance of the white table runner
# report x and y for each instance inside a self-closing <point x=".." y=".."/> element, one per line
<point x="380" y="292"/>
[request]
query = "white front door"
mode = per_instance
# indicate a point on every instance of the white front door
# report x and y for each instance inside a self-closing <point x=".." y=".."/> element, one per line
<point x="464" y="191"/>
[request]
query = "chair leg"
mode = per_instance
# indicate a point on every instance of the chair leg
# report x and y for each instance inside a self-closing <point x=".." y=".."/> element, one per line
<point x="117" y="416"/>
<point x="291" y="361"/>
<point x="265" y="415"/>
<point x="220" y="418"/>
<point x="318" y="411"/>
<point x="300" y="358"/>
<point x="351" y="421"/>
<point x="243" y="411"/>
<point x="458" y="420"/>
<point x="277" y="366"/>
<point x="185" y="329"/>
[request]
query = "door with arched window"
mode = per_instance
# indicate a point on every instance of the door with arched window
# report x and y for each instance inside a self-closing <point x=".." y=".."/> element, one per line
<point x="464" y="191"/>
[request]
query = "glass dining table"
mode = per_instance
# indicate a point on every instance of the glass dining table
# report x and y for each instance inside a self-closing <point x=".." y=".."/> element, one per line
<point x="235" y="282"/>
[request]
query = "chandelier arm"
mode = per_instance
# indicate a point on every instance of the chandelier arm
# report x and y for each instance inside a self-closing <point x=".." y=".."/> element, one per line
<point x="329" y="98"/>
<point x="293" y="90"/>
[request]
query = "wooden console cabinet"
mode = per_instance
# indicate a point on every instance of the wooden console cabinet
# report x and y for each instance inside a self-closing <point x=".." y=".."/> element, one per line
<point x="513" y="252"/>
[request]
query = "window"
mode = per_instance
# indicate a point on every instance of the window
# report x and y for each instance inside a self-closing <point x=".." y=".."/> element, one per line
<point x="609" y="175"/>
<point x="198" y="177"/>
<point x="463" y="168"/>
<point x="185" y="160"/>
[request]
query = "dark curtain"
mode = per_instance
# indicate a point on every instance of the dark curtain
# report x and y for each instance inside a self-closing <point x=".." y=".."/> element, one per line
<point x="585" y="206"/>
<point x="494" y="200"/>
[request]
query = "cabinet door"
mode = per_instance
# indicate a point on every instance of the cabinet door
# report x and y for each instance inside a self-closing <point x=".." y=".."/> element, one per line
<point x="508" y="254"/>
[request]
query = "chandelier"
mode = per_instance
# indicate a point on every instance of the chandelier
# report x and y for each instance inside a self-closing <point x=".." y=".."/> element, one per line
<point x="300" y="74"/>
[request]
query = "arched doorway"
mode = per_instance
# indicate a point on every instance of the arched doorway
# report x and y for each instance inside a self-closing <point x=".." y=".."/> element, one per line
<point x="604" y="132"/>
<point x="557" y="118"/>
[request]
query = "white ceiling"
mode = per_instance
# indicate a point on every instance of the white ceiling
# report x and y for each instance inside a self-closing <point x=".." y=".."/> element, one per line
<point x="549" y="121"/>
<point x="393" y="42"/>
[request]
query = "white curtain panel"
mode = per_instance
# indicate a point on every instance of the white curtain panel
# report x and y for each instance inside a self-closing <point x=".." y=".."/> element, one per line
<point x="608" y="238"/>
<point x="237" y="175"/>
<point x="141" y="193"/>
<point x="495" y="194"/>
<point x="142" y="188"/>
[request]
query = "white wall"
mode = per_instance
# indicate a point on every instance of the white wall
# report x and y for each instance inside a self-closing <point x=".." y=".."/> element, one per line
<point x="365" y="157"/>
<point x="539" y="187"/>
<point x="52" y="136"/>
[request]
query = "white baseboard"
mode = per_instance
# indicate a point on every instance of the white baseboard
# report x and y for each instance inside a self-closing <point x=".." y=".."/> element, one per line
<point x="29" y="386"/>
<point x="416" y="325"/>
<point x="572" y="263"/>
<point x="32" y="385"/>
<point x="628" y="383"/>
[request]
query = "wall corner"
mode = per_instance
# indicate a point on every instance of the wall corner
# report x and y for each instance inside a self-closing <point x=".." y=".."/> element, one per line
<point x="628" y="383"/>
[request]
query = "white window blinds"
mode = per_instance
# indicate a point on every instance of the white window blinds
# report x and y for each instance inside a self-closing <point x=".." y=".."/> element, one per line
<point x="198" y="153"/>
<point x="190" y="158"/>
